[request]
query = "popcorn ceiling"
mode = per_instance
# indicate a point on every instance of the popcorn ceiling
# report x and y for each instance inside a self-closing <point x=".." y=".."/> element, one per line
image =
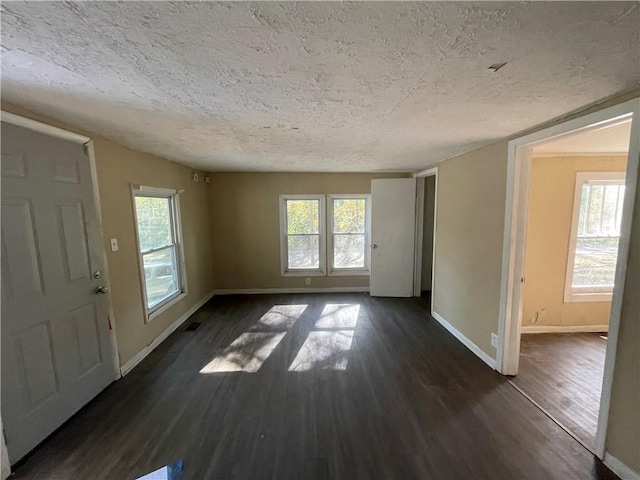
<point x="314" y="86"/>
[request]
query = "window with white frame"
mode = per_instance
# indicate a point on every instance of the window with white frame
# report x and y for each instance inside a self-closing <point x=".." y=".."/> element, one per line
<point x="595" y="232"/>
<point x="302" y="234"/>
<point x="348" y="234"/>
<point x="160" y="254"/>
<point x="307" y="245"/>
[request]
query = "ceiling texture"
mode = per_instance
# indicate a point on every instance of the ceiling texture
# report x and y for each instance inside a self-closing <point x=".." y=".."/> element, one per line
<point x="322" y="87"/>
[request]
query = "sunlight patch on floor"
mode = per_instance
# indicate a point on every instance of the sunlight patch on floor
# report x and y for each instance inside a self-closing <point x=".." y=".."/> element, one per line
<point x="339" y="316"/>
<point x="247" y="353"/>
<point x="324" y="350"/>
<point x="280" y="316"/>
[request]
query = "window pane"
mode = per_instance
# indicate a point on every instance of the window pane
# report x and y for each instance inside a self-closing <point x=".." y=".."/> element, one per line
<point x="154" y="222"/>
<point x="583" y="211"/>
<point x="593" y="209"/>
<point x="609" y="210"/>
<point x="595" y="262"/>
<point x="303" y="216"/>
<point x="349" y="215"/>
<point x="160" y="275"/>
<point x="304" y="251"/>
<point x="348" y="251"/>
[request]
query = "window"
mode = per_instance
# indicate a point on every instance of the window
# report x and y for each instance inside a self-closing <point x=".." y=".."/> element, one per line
<point x="349" y="234"/>
<point x="303" y="241"/>
<point x="160" y="254"/>
<point x="595" y="233"/>
<point x="304" y="238"/>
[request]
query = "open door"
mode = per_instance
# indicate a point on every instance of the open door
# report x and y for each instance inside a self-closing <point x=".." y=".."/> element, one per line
<point x="393" y="203"/>
<point x="57" y="348"/>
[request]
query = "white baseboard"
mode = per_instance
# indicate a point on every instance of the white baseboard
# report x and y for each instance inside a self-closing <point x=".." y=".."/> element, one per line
<point x="254" y="291"/>
<point x="619" y="468"/>
<point x="564" y="328"/>
<point x="465" y="341"/>
<point x="138" y="357"/>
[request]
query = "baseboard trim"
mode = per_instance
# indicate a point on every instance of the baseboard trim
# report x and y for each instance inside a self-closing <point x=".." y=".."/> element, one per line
<point x="259" y="291"/>
<point x="138" y="357"/>
<point x="564" y="328"/>
<point x="465" y="341"/>
<point x="619" y="468"/>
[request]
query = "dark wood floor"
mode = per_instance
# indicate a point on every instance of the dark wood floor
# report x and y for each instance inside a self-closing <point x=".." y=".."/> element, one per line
<point x="405" y="401"/>
<point x="563" y="374"/>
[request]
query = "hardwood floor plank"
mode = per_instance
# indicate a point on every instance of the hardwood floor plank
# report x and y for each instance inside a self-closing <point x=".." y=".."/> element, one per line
<point x="411" y="402"/>
<point x="562" y="372"/>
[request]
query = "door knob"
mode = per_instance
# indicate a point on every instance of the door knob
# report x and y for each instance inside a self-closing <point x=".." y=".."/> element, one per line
<point x="101" y="290"/>
<point x="374" y="246"/>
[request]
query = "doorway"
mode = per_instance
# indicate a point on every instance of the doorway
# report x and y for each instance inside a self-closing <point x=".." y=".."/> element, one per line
<point x="513" y="320"/>
<point x="426" y="200"/>
<point x="575" y="204"/>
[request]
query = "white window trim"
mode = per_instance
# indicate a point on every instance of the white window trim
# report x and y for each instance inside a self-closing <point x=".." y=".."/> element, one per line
<point x="333" y="271"/>
<point x="142" y="190"/>
<point x="588" y="294"/>
<point x="284" y="254"/>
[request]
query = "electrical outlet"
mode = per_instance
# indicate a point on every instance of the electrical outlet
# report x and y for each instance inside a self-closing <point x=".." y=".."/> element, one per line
<point x="308" y="281"/>
<point x="494" y="340"/>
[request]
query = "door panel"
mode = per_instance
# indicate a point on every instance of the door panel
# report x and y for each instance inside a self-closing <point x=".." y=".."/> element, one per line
<point x="72" y="225"/>
<point x="22" y="275"/>
<point x="36" y="360"/>
<point x="86" y="323"/>
<point x="393" y="203"/>
<point x="57" y="347"/>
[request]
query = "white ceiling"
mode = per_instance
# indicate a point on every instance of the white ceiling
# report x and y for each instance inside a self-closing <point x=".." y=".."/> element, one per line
<point x="614" y="139"/>
<point x="314" y="86"/>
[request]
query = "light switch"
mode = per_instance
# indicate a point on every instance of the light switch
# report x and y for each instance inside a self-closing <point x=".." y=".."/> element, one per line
<point x="114" y="244"/>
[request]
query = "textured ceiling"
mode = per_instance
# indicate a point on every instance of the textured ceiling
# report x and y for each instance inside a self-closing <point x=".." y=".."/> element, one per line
<point x="314" y="86"/>
<point x="614" y="139"/>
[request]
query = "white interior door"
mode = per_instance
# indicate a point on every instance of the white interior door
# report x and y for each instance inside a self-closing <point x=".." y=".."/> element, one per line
<point x="57" y="348"/>
<point x="393" y="203"/>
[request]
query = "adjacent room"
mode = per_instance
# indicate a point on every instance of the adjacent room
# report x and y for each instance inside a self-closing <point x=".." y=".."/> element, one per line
<point x="576" y="196"/>
<point x="318" y="240"/>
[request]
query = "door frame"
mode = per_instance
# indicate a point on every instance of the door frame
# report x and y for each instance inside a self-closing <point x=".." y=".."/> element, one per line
<point x="417" y="267"/>
<point x="515" y="222"/>
<point x="69" y="136"/>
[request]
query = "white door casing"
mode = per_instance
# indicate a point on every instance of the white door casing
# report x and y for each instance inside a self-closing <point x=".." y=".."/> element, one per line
<point x="393" y="203"/>
<point x="57" y="347"/>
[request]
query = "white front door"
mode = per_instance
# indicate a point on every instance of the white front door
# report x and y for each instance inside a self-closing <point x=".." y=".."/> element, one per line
<point x="393" y="203"/>
<point x="57" y="344"/>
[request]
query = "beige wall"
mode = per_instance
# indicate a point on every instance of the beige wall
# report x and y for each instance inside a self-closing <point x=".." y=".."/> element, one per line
<point x="246" y="225"/>
<point x="117" y="168"/>
<point x="551" y="197"/>
<point x="469" y="228"/>
<point x="470" y="223"/>
<point x="623" y="435"/>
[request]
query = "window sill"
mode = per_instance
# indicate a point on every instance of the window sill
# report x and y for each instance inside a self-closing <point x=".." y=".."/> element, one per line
<point x="303" y="273"/>
<point x="349" y="273"/>
<point x="165" y="305"/>
<point x="575" y="297"/>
